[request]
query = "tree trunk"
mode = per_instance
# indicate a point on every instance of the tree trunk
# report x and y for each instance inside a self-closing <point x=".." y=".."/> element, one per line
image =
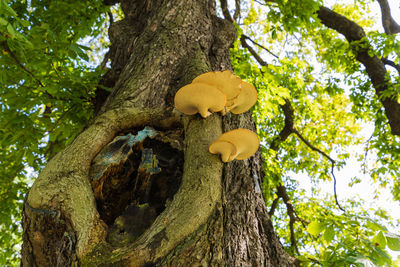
<point x="165" y="201"/>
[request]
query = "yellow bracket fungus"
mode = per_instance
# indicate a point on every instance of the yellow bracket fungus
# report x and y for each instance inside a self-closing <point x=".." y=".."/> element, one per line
<point x="199" y="98"/>
<point x="245" y="100"/>
<point x="225" y="81"/>
<point x="219" y="91"/>
<point x="236" y="144"/>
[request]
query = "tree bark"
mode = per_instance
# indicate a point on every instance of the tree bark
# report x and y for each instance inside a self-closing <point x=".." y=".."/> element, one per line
<point x="217" y="217"/>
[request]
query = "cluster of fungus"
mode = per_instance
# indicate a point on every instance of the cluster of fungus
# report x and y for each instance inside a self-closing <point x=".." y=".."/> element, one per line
<point x="236" y="144"/>
<point x="221" y="91"/>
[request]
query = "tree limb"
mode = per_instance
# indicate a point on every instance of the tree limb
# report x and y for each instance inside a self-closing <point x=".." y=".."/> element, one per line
<point x="19" y="63"/>
<point x="274" y="205"/>
<point x="252" y="51"/>
<point x="326" y="156"/>
<point x="261" y="46"/>
<point x="313" y="147"/>
<point x="389" y="24"/>
<point x="225" y="10"/>
<point x="392" y="64"/>
<point x="374" y="67"/>
<point x="237" y="10"/>
<point x="282" y="193"/>
<point x="288" y="128"/>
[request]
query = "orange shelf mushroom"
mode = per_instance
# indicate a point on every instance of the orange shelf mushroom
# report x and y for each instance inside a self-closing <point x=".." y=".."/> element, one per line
<point x="225" y="81"/>
<point x="199" y="98"/>
<point x="236" y="144"/>
<point x="245" y="100"/>
<point x="219" y="91"/>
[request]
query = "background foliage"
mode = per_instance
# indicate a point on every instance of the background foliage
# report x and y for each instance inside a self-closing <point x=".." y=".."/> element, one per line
<point x="50" y="64"/>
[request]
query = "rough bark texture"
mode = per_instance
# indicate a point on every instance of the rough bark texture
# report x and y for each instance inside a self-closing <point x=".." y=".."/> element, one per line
<point x="374" y="66"/>
<point x="218" y="216"/>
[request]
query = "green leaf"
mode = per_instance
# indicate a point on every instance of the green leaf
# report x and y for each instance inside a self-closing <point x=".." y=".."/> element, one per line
<point x="373" y="225"/>
<point x="3" y="21"/>
<point x="9" y="10"/>
<point x="315" y="228"/>
<point x="77" y="49"/>
<point x="393" y="241"/>
<point x="273" y="34"/>
<point x="11" y="30"/>
<point x="329" y="234"/>
<point x="379" y="240"/>
<point x="30" y="158"/>
<point x="24" y="22"/>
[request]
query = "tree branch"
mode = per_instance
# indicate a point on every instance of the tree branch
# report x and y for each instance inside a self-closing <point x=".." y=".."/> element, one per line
<point x="274" y="205"/>
<point x="260" y="3"/>
<point x="282" y="193"/>
<point x="289" y="121"/>
<point x="313" y="147"/>
<point x="225" y="10"/>
<point x="366" y="153"/>
<point x="334" y="188"/>
<point x="389" y="24"/>
<point x="374" y="67"/>
<point x="392" y="64"/>
<point x="261" y="46"/>
<point x="237" y="10"/>
<point x="288" y="128"/>
<point x="326" y="156"/>
<point x="19" y="63"/>
<point x="252" y="51"/>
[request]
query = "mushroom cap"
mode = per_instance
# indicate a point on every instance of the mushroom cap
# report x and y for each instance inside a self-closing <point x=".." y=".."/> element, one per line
<point x="225" y="148"/>
<point x="199" y="98"/>
<point x="245" y="100"/>
<point x="225" y="81"/>
<point x="245" y="141"/>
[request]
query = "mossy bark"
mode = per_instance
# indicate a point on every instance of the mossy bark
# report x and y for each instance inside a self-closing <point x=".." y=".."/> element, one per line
<point x="217" y="217"/>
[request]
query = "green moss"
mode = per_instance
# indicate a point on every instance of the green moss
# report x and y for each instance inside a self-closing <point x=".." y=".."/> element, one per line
<point x="101" y="255"/>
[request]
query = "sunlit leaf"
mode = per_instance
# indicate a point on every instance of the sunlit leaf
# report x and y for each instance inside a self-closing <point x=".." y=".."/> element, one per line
<point x="315" y="228"/>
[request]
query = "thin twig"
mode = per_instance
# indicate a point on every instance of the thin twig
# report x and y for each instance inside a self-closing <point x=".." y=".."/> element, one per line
<point x="392" y="64"/>
<point x="252" y="51"/>
<point x="274" y="205"/>
<point x="237" y="10"/>
<point x="313" y="147"/>
<point x="326" y="156"/>
<point x="225" y="10"/>
<point x="282" y="193"/>
<point x="334" y="187"/>
<point x="258" y="2"/>
<point x="261" y="46"/>
<point x="366" y="153"/>
<point x="7" y="48"/>
<point x="303" y="222"/>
